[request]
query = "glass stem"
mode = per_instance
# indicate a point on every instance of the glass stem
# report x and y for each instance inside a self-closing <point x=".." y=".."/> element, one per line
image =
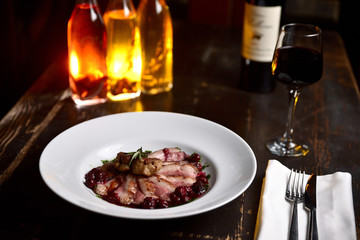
<point x="293" y="98"/>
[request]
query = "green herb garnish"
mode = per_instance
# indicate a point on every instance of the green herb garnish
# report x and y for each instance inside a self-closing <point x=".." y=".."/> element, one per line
<point x="138" y="154"/>
<point x="107" y="161"/>
<point x="205" y="166"/>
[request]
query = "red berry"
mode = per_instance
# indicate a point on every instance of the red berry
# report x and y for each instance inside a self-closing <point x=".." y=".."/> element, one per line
<point x="180" y="191"/>
<point x="199" y="188"/>
<point x="194" y="157"/>
<point x="162" y="204"/>
<point x="149" y="203"/>
<point x="175" y="199"/>
<point x="184" y="192"/>
<point x="111" y="197"/>
<point x="95" y="176"/>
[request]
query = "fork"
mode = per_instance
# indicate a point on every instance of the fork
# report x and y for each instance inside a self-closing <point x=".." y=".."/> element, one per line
<point x="295" y="194"/>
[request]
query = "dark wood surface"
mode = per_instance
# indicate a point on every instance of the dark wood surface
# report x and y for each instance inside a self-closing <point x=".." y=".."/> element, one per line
<point x="206" y="75"/>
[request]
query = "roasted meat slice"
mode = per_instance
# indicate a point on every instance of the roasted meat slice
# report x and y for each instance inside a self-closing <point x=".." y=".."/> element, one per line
<point x="163" y="188"/>
<point x="128" y="192"/>
<point x="178" y="181"/>
<point x="169" y="155"/>
<point x="103" y="188"/>
<point x="130" y="189"/>
<point x="178" y="169"/>
<point x="110" y="185"/>
<point x="147" y="187"/>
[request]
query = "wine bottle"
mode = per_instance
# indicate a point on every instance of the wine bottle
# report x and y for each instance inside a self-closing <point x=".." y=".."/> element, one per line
<point x="260" y="32"/>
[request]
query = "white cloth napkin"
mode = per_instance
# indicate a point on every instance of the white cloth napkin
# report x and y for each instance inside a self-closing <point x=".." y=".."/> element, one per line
<point x="335" y="209"/>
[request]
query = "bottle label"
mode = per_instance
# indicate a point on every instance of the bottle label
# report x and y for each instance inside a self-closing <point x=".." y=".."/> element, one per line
<point x="260" y="33"/>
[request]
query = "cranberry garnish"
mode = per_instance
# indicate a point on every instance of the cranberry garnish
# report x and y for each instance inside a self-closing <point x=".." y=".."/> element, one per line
<point x="175" y="199"/>
<point x="111" y="198"/>
<point x="202" y="178"/>
<point x="198" y="166"/>
<point x="149" y="203"/>
<point x="95" y="176"/>
<point x="184" y="192"/>
<point x="166" y="152"/>
<point x="194" y="157"/>
<point x="199" y="188"/>
<point x="162" y="204"/>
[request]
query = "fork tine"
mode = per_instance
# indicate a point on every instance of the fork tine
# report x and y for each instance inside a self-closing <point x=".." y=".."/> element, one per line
<point x="289" y="181"/>
<point x="298" y="190"/>
<point x="302" y="192"/>
<point x="290" y="184"/>
<point x="296" y="184"/>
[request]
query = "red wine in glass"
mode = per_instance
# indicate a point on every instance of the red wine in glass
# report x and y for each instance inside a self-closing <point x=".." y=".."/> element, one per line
<point x="297" y="67"/>
<point x="297" y="62"/>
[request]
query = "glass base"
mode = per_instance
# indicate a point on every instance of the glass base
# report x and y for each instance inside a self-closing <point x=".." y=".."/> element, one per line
<point x="123" y="96"/>
<point x="88" y="102"/>
<point x="281" y="147"/>
<point x="156" y="89"/>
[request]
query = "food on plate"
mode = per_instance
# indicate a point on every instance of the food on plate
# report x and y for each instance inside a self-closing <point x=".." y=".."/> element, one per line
<point x="143" y="179"/>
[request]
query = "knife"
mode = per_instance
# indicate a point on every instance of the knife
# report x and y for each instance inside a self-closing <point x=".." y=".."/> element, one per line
<point x="310" y="205"/>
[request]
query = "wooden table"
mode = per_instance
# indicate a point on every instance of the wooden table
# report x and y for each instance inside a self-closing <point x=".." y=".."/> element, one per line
<point x="206" y="73"/>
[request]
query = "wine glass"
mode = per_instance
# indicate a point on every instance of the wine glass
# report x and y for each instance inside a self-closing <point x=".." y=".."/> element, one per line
<point x="297" y="62"/>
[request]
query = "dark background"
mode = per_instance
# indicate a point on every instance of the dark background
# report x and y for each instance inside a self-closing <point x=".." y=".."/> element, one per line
<point x="33" y="33"/>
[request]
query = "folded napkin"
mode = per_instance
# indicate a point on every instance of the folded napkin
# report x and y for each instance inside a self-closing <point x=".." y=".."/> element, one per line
<point x="335" y="209"/>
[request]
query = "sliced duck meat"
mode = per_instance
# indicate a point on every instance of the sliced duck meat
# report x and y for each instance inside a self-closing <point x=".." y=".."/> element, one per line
<point x="177" y="169"/>
<point x="169" y="155"/>
<point x="179" y="162"/>
<point x="163" y="188"/>
<point x="147" y="187"/>
<point x="104" y="188"/>
<point x="127" y="194"/>
<point x="178" y="181"/>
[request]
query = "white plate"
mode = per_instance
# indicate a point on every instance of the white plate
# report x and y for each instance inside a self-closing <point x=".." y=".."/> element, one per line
<point x="69" y="156"/>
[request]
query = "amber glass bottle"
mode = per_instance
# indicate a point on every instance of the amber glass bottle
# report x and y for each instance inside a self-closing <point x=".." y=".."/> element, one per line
<point x="87" y="53"/>
<point x="123" y="50"/>
<point x="157" y="45"/>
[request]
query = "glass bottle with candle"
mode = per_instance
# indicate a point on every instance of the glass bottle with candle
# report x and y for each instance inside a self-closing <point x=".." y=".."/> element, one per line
<point x="87" y="54"/>
<point x="124" y="50"/>
<point x="157" y="46"/>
